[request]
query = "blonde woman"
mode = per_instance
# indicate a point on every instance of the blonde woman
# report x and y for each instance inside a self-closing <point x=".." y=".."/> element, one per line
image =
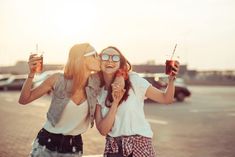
<point x="72" y="107"/>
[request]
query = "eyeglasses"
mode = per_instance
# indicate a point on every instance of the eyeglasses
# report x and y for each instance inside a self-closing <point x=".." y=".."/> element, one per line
<point x="92" y="53"/>
<point x="106" y="57"/>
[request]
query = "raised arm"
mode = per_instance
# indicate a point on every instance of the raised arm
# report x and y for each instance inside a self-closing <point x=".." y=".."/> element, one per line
<point x="27" y="93"/>
<point x="167" y="96"/>
<point x="104" y="124"/>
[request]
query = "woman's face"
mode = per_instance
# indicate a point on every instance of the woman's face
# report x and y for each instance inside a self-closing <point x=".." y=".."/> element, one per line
<point x="110" y="61"/>
<point x="93" y="62"/>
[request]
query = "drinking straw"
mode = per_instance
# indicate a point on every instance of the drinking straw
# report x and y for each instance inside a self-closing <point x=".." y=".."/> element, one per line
<point x="36" y="47"/>
<point x="173" y="51"/>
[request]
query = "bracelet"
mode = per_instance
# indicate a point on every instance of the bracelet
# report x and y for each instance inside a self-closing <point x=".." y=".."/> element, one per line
<point x="30" y="76"/>
<point x="172" y="78"/>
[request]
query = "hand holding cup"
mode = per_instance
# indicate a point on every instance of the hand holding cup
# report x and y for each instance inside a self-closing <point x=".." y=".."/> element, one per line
<point x="36" y="62"/>
<point x="172" y="65"/>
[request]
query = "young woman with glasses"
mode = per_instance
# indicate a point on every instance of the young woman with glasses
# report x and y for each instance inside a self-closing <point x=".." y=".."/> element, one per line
<point x="72" y="107"/>
<point x="120" y="110"/>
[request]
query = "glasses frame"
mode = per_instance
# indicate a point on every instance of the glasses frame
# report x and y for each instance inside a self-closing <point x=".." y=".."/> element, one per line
<point x="112" y="57"/>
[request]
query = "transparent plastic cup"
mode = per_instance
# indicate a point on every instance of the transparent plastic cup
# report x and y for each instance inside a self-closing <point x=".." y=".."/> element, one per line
<point x="170" y="63"/>
<point x="169" y="67"/>
<point x="39" y="64"/>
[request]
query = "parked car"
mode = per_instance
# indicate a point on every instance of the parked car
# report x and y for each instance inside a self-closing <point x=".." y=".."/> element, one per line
<point x="181" y="90"/>
<point x="12" y="82"/>
<point x="160" y="82"/>
<point x="39" y="79"/>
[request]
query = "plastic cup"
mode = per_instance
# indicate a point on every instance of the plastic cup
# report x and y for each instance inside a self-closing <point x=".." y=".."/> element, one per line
<point x="39" y="66"/>
<point x="170" y="63"/>
<point x="169" y="67"/>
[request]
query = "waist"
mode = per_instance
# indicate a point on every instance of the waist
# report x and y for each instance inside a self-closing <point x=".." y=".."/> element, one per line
<point x="136" y="145"/>
<point x="131" y="137"/>
<point x="131" y="131"/>
<point x="68" y="128"/>
<point x="59" y="142"/>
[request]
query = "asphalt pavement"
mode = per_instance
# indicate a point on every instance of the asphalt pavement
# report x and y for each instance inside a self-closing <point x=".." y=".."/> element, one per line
<point x="202" y="126"/>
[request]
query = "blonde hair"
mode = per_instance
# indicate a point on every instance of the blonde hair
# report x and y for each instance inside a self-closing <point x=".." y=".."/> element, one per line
<point x="75" y="66"/>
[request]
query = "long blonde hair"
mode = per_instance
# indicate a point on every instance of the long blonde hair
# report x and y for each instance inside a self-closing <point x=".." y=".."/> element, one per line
<point x="75" y="67"/>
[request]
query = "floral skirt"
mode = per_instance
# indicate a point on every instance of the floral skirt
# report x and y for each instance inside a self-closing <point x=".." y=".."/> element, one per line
<point x="56" y="145"/>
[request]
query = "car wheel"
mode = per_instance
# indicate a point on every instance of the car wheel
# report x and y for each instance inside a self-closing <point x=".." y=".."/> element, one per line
<point x="180" y="96"/>
<point x="5" y="88"/>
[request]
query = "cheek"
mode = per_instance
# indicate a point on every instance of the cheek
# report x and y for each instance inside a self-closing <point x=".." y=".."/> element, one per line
<point x="102" y="66"/>
<point x="118" y="65"/>
<point x="97" y="62"/>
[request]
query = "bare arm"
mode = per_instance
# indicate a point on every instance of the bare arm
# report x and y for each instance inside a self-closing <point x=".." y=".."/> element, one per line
<point x="167" y="96"/>
<point x="160" y="96"/>
<point x="27" y="94"/>
<point x="105" y="124"/>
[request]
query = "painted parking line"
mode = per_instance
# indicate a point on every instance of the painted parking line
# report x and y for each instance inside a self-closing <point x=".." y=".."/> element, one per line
<point x="211" y="110"/>
<point x="93" y="156"/>
<point x="157" y="121"/>
<point x="231" y="114"/>
<point x="38" y="104"/>
<point x="9" y="99"/>
<point x="194" y="111"/>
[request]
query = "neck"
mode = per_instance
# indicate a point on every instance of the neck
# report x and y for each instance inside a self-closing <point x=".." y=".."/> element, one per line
<point x="87" y="74"/>
<point x="82" y="85"/>
<point x="108" y="78"/>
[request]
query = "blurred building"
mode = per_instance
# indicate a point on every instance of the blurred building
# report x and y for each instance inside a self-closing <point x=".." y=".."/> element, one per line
<point x="145" y="68"/>
<point x="210" y="77"/>
<point x="191" y="76"/>
<point x="21" y="67"/>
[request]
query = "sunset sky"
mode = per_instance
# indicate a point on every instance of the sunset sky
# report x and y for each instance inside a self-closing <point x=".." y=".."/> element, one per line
<point x="142" y="29"/>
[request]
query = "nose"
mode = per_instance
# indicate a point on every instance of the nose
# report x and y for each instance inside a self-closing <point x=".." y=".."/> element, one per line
<point x="110" y="59"/>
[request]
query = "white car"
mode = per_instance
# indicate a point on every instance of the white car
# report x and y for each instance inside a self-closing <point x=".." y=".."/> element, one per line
<point x="43" y="76"/>
<point x="12" y="82"/>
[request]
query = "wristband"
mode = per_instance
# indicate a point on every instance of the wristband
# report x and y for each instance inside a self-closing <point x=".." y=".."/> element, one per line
<point x="171" y="78"/>
<point x="31" y="76"/>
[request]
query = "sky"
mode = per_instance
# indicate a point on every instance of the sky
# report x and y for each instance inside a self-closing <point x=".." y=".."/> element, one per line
<point x="144" y="30"/>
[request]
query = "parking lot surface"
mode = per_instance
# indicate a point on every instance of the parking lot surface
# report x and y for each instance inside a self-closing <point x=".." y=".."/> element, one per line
<point x="202" y="126"/>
